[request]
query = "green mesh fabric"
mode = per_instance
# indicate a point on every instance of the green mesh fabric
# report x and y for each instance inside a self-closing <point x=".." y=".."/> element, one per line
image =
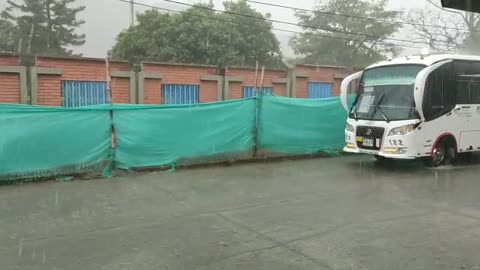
<point x="163" y="135"/>
<point x="37" y="142"/>
<point x="301" y="126"/>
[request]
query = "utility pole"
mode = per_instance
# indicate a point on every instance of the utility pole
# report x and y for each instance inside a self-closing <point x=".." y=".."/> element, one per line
<point x="132" y="13"/>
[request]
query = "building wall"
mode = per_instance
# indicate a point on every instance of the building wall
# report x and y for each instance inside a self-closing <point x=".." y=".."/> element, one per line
<point x="88" y="69"/>
<point x="9" y="88"/>
<point x="9" y="82"/>
<point x="248" y="77"/>
<point x="178" y="74"/>
<point x="79" y="69"/>
<point x="323" y="74"/>
<point x="9" y="60"/>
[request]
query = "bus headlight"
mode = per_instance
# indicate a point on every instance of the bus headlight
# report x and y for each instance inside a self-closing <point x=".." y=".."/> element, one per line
<point x="402" y="130"/>
<point x="350" y="128"/>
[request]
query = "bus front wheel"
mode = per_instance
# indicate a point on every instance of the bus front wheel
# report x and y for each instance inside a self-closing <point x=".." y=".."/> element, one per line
<point x="444" y="152"/>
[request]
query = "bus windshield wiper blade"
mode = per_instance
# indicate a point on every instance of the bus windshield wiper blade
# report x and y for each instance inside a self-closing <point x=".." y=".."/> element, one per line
<point x="383" y="114"/>
<point x="377" y="107"/>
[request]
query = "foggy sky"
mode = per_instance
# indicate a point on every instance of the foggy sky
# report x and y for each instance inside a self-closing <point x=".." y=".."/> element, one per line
<point x="106" y="18"/>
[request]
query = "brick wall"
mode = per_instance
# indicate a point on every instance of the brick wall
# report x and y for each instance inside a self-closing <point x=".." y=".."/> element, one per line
<point x="120" y="90"/>
<point x="88" y="69"/>
<point x="9" y="60"/>
<point x="79" y="69"/>
<point x="9" y="82"/>
<point x="73" y="69"/>
<point x="323" y="74"/>
<point x="9" y="88"/>
<point x="120" y="86"/>
<point x="178" y="74"/>
<point x="248" y="77"/>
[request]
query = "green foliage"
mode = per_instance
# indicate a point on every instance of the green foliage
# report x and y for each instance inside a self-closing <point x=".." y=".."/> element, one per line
<point x="7" y="36"/>
<point x="346" y="49"/>
<point x="44" y="26"/>
<point x="201" y="36"/>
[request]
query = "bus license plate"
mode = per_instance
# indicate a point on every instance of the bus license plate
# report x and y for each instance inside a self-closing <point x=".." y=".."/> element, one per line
<point x="367" y="142"/>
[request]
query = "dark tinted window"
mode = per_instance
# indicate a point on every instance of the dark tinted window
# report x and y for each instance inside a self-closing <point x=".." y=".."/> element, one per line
<point x="463" y="90"/>
<point x="440" y="92"/>
<point x="467" y="82"/>
<point x="475" y="91"/>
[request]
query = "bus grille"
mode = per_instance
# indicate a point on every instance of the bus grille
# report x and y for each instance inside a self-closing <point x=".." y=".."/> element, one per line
<point x="375" y="133"/>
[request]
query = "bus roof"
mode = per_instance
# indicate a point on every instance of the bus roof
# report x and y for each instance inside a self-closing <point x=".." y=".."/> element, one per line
<point x="424" y="60"/>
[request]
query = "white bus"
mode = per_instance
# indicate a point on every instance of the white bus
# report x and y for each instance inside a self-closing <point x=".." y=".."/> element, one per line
<point x="415" y="107"/>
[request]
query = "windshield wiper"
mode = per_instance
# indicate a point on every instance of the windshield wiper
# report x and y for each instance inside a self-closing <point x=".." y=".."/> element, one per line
<point x="354" y="112"/>
<point x="377" y="107"/>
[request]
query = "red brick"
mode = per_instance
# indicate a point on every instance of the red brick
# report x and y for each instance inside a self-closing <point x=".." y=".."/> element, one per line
<point x="9" y="88"/>
<point x="120" y="88"/>
<point x="323" y="74"/>
<point x="248" y="76"/>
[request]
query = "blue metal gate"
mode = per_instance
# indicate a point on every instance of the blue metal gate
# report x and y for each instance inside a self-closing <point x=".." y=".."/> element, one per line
<point x="249" y="91"/>
<point x="319" y="90"/>
<point x="180" y="94"/>
<point x="82" y="93"/>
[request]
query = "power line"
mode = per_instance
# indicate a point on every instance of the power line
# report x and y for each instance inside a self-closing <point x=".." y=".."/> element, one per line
<point x="358" y="17"/>
<point x="273" y="28"/>
<point x="294" y="24"/>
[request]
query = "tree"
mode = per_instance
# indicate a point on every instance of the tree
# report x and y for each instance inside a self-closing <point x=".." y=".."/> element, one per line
<point x="7" y="36"/>
<point x="318" y="45"/>
<point x="45" y="26"/>
<point x="446" y="30"/>
<point x="202" y="36"/>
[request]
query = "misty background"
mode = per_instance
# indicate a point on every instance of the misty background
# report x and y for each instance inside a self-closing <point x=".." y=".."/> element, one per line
<point x="105" y="19"/>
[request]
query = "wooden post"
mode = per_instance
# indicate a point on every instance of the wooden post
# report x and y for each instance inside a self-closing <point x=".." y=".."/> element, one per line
<point x="256" y="76"/>
<point x="261" y="79"/>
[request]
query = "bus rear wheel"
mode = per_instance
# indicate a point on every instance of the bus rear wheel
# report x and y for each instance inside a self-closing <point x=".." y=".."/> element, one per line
<point x="444" y="152"/>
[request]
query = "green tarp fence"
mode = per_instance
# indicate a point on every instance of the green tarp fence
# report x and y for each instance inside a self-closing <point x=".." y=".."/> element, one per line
<point x="39" y="141"/>
<point x="301" y="126"/>
<point x="149" y="136"/>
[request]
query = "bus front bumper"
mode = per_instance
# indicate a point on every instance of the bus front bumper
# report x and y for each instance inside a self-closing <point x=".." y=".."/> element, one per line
<point x="394" y="153"/>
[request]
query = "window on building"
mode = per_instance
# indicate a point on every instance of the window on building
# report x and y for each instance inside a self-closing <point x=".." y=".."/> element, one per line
<point x="250" y="91"/>
<point x="320" y="90"/>
<point x="180" y="94"/>
<point x="84" y="93"/>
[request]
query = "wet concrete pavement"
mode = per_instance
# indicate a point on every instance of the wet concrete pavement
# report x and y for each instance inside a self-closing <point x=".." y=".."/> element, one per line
<point x="329" y="213"/>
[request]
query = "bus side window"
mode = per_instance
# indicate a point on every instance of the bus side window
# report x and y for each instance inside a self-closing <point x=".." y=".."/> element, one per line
<point x="463" y="90"/>
<point x="441" y="93"/>
<point x="475" y="91"/>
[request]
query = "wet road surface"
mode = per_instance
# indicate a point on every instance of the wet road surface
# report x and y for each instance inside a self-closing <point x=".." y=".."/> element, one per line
<point x="329" y="213"/>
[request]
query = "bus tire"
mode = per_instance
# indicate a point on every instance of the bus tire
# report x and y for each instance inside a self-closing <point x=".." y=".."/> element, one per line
<point x="445" y="151"/>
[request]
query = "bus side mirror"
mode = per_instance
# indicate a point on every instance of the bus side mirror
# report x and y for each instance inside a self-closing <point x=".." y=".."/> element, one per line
<point x="344" y="89"/>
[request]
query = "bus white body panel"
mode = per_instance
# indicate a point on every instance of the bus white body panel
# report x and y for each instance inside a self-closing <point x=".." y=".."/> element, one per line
<point x="391" y="119"/>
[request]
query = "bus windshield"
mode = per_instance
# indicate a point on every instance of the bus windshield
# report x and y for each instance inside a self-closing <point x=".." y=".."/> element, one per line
<point x="386" y="93"/>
